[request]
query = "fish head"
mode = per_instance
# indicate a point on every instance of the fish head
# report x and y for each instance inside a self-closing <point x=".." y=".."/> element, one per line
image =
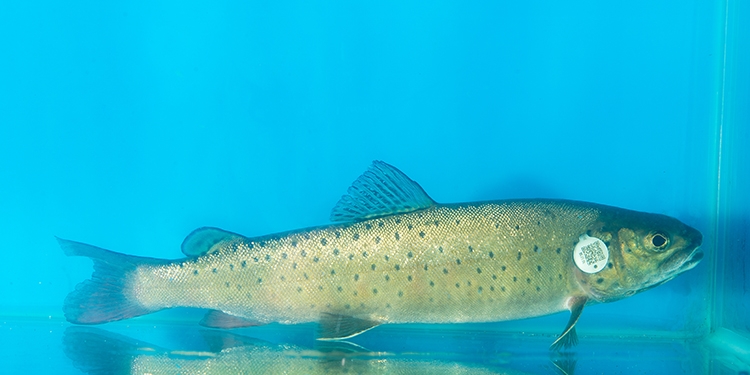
<point x="645" y="251"/>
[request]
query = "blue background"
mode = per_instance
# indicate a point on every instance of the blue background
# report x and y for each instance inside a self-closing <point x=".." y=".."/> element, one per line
<point x="129" y="125"/>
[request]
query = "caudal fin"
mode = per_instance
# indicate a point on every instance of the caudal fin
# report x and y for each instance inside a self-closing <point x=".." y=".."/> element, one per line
<point x="108" y="295"/>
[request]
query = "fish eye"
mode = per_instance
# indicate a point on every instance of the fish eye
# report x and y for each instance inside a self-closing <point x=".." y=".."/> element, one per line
<point x="659" y="241"/>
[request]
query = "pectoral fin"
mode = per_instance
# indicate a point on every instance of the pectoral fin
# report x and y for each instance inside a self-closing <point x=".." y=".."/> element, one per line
<point x="568" y="337"/>
<point x="339" y="327"/>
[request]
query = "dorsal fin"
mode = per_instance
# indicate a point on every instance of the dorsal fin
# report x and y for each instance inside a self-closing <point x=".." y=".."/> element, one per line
<point x="201" y="240"/>
<point x="382" y="190"/>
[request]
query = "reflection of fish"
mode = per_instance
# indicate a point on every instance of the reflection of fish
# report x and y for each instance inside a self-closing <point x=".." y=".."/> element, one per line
<point x="396" y="256"/>
<point x="95" y="352"/>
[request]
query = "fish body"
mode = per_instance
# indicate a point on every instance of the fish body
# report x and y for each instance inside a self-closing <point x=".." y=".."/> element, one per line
<point x="395" y="256"/>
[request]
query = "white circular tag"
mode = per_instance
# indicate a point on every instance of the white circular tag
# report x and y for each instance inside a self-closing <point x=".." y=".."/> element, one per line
<point x="591" y="254"/>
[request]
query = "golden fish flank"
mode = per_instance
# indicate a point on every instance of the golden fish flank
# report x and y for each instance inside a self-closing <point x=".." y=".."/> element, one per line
<point x="396" y="256"/>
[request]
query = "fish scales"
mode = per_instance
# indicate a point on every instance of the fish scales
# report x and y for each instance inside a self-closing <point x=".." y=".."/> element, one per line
<point x="393" y="255"/>
<point x="460" y="263"/>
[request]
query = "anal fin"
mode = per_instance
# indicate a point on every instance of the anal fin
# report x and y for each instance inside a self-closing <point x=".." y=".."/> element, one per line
<point x="339" y="327"/>
<point x="568" y="338"/>
<point x="220" y="319"/>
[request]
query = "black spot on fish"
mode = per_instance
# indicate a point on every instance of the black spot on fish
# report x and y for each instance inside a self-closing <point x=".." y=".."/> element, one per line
<point x="333" y="272"/>
<point x="377" y="240"/>
<point x="492" y="288"/>
<point x="323" y="241"/>
<point x="559" y="276"/>
<point x="231" y="267"/>
<point x="282" y="278"/>
<point x="408" y="278"/>
<point x="528" y="281"/>
<point x="471" y="249"/>
<point x="387" y="305"/>
<point x="347" y="306"/>
<point x="599" y="280"/>
<point x="409" y="226"/>
<point x="303" y="253"/>
<point x="304" y="274"/>
<point x="355" y="293"/>
<point x="558" y="250"/>
<point x="497" y="226"/>
<point x="539" y="268"/>
<point x="397" y="236"/>
<point x="421" y="234"/>
<point x="294" y="265"/>
<point x="518" y="257"/>
<point x="195" y="272"/>
<point x="400" y="293"/>
<point x="387" y="278"/>
<point x="425" y="267"/>
<point x="299" y="289"/>
<point x="432" y="299"/>
<point x="479" y="290"/>
<point x="409" y="254"/>
<point x="502" y="288"/>
<point x="260" y="280"/>
<point x="316" y="259"/>
<point x="538" y="223"/>
<point x="479" y="270"/>
<point x="243" y="264"/>
<point x="468" y="283"/>
<point x="515" y="279"/>
<point x="373" y="266"/>
<point x="226" y="284"/>
<point x="335" y="251"/>
<point x="368" y="226"/>
<point x="239" y="286"/>
<point x="458" y="285"/>
<point x="355" y="236"/>
<point x="364" y="254"/>
<point x="491" y="254"/>
<point x="339" y="288"/>
<point x="283" y="255"/>
<point x="255" y="259"/>
<point x="517" y="227"/>
<point x="440" y="249"/>
<point x="356" y="276"/>
<point x="503" y="268"/>
<point x="627" y="250"/>
<point x="610" y="265"/>
<point x="306" y="236"/>
<point x="458" y="262"/>
<point x="458" y="222"/>
<point x="374" y="291"/>
<point x="397" y="267"/>
<point x="380" y="223"/>
<point x="536" y="248"/>
<point x="216" y="252"/>
<point x="538" y="289"/>
<point x="320" y="287"/>
<point x="432" y="283"/>
<point x="215" y="270"/>
<point x="386" y="258"/>
<point x="436" y="222"/>
<point x="351" y="256"/>
<point x="445" y="271"/>
<point x="182" y="265"/>
<point x="337" y="234"/>
<point x="494" y="277"/>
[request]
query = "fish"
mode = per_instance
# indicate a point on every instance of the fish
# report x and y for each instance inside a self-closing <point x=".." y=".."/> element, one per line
<point x="97" y="352"/>
<point x="394" y="255"/>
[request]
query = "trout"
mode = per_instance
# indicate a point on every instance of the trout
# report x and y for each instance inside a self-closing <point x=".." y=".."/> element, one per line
<point x="394" y="255"/>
